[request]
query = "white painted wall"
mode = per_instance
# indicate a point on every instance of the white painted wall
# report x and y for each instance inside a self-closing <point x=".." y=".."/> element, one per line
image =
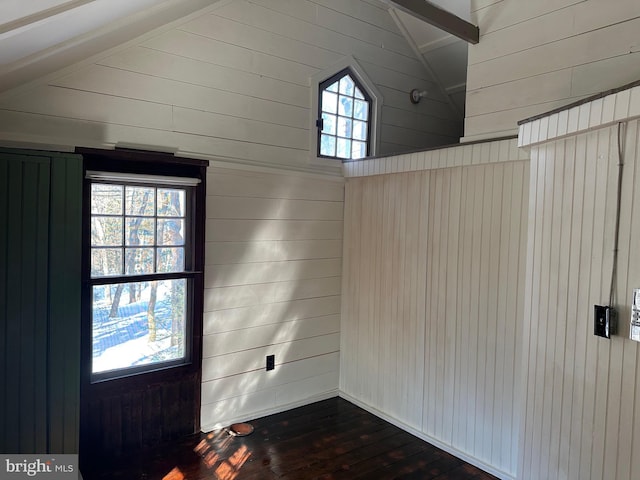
<point x="432" y="297"/>
<point x="232" y="82"/>
<point x="535" y="56"/>
<point x="272" y="287"/>
<point x="581" y="405"/>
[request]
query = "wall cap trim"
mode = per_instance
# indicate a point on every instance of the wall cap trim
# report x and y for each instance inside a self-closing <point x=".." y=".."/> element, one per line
<point x="459" y="155"/>
<point x="596" y="112"/>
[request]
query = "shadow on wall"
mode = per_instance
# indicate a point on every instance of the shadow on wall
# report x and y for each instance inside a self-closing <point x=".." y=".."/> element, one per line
<point x="274" y="247"/>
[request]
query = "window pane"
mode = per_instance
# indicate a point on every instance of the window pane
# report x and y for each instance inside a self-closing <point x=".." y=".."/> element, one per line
<point x="140" y="231"/>
<point x="106" y="261"/>
<point x="344" y="127"/>
<point x="171" y="202"/>
<point x="358" y="149"/>
<point x="140" y="201"/>
<point x="106" y="199"/>
<point x="347" y="85"/>
<point x="344" y="148"/>
<point x="137" y="324"/>
<point x="106" y="231"/>
<point x="359" y="130"/>
<point x="361" y="110"/>
<point x="328" y="123"/>
<point x="329" y="102"/>
<point x="171" y="232"/>
<point x="333" y="87"/>
<point x="345" y="106"/>
<point x="328" y="145"/>
<point x="358" y="94"/>
<point x="139" y="261"/>
<point x="170" y="260"/>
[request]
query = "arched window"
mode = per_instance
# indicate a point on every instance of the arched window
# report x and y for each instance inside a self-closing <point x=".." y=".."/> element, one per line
<point x="344" y="117"/>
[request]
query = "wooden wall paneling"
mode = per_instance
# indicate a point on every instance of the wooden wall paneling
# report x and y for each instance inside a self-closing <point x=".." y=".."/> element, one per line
<point x="139" y="86"/>
<point x="349" y="283"/>
<point x="251" y="27"/>
<point x="231" y="58"/>
<point x="525" y="48"/>
<point x="537" y="30"/>
<point x="371" y="12"/>
<point x="480" y="4"/>
<point x="60" y="131"/>
<point x="271" y="250"/>
<point x="270" y="297"/>
<point x="463" y="226"/>
<point x="256" y="381"/>
<point x="575" y="377"/>
<point x="88" y="106"/>
<point x="631" y="432"/>
<point x="605" y="43"/>
<point x="345" y="24"/>
<point x="229" y="230"/>
<point x="233" y="84"/>
<point x="463" y="275"/>
<point x="229" y="342"/>
<point x="238" y="274"/>
<point x="64" y="303"/>
<point x="4" y="250"/>
<point x="186" y="66"/>
<point x="231" y="183"/>
<point x="222" y="207"/>
<point x="314" y="37"/>
<point x="501" y="17"/>
<point x="25" y="289"/>
<point x="432" y="362"/>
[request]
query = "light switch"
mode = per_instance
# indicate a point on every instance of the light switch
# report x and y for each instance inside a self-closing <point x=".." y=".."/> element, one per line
<point x="634" y="328"/>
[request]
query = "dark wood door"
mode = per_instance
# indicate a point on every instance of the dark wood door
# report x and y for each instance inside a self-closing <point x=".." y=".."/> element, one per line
<point x="141" y="409"/>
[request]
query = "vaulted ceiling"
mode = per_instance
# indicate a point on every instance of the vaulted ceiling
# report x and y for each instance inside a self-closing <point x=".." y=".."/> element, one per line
<point x="40" y="36"/>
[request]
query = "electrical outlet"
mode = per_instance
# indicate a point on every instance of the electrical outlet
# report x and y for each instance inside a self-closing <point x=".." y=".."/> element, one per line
<point x="271" y="362"/>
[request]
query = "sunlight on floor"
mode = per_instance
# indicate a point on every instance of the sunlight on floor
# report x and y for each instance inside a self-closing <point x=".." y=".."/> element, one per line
<point x="174" y="474"/>
<point x="225" y="467"/>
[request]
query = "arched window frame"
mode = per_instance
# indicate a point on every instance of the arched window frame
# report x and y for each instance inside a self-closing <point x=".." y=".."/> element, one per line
<point x="369" y="89"/>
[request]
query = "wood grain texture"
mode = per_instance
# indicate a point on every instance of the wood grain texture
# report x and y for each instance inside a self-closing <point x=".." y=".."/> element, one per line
<point x="433" y="283"/>
<point x="329" y="439"/>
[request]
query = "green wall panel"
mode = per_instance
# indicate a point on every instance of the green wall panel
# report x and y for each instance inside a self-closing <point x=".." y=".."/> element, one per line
<point x="40" y="235"/>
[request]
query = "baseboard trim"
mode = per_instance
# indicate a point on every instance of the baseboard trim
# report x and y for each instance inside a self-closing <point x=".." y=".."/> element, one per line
<point x="433" y="441"/>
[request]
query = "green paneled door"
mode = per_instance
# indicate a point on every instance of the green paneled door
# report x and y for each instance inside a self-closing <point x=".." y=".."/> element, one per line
<point x="39" y="301"/>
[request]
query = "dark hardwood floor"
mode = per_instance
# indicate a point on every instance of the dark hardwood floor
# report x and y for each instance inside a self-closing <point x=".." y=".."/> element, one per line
<point x="327" y="440"/>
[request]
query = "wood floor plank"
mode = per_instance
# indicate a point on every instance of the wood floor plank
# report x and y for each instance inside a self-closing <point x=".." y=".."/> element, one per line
<point x="328" y="440"/>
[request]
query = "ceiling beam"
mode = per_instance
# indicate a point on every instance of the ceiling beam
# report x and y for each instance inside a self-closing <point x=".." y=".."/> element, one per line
<point x="436" y="16"/>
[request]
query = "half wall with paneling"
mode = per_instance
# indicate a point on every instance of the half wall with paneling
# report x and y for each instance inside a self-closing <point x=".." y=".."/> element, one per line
<point x="434" y="269"/>
<point x="581" y="404"/>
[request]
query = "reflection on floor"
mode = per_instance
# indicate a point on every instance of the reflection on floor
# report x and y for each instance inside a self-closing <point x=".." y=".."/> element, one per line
<point x="327" y="440"/>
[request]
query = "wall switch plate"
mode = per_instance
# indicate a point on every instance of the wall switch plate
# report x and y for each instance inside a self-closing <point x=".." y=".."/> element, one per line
<point x="271" y="362"/>
<point x="634" y="327"/>
<point x="604" y="321"/>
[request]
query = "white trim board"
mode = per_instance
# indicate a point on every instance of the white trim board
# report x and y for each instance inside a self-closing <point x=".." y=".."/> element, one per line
<point x="454" y="156"/>
<point x="602" y="112"/>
